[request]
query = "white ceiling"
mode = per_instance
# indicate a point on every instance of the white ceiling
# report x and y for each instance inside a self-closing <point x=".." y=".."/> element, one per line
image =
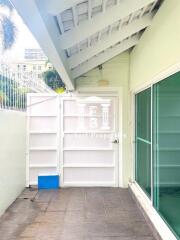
<point x="89" y="29"/>
<point x="87" y="33"/>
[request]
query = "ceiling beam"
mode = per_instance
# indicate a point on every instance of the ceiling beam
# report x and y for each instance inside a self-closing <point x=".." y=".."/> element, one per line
<point x="104" y="6"/>
<point x="101" y="21"/>
<point x="60" y="24"/>
<point x="75" y="16"/>
<point x="129" y="30"/>
<point x="30" y="13"/>
<point x="120" y="24"/>
<point x="131" y="18"/>
<point x="104" y="56"/>
<point x="153" y="6"/>
<point x="89" y="9"/>
<point x="142" y="12"/>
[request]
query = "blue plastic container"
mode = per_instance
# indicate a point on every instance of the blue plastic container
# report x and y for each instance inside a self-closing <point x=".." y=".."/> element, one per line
<point x="48" y="182"/>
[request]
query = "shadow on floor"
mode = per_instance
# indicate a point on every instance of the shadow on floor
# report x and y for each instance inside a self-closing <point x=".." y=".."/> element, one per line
<point x="74" y="214"/>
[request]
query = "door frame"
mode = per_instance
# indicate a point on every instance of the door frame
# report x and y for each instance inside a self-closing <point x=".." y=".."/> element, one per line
<point x="113" y="92"/>
<point x="139" y="88"/>
<point x="146" y="203"/>
<point x="133" y="112"/>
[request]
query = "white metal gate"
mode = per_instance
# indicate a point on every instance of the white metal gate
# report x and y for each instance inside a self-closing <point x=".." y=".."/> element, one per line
<point x="89" y="127"/>
<point x="73" y="136"/>
<point x="43" y="136"/>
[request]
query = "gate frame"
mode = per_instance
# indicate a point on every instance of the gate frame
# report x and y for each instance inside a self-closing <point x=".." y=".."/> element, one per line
<point x="83" y="92"/>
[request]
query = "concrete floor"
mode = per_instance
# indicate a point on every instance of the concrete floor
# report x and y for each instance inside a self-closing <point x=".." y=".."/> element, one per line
<point x="74" y="214"/>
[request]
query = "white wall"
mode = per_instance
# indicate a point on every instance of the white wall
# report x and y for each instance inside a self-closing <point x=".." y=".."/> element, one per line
<point x="12" y="156"/>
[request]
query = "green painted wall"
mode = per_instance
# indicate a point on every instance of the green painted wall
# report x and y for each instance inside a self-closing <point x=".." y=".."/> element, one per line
<point x="159" y="47"/>
<point x="116" y="72"/>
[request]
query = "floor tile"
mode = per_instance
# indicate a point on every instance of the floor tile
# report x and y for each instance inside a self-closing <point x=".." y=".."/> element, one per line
<point x="74" y="214"/>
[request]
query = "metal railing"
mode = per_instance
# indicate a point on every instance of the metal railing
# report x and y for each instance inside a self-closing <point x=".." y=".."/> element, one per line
<point x="14" y="87"/>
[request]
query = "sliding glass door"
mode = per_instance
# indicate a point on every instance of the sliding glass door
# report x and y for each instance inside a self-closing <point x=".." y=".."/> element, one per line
<point x="143" y="140"/>
<point x="167" y="150"/>
<point x="158" y="147"/>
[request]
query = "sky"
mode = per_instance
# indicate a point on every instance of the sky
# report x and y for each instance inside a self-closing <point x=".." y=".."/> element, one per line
<point x="24" y="40"/>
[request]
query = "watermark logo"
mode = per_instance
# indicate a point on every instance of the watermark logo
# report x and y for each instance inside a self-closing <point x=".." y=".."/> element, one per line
<point x="94" y="114"/>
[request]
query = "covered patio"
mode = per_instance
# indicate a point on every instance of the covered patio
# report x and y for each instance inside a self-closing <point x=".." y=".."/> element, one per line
<point x="75" y="213"/>
<point x="115" y="131"/>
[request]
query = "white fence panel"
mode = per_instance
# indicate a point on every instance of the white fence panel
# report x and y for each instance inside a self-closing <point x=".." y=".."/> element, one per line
<point x="43" y="136"/>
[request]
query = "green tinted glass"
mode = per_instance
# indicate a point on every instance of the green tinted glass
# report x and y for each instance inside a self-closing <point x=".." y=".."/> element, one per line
<point x="143" y="140"/>
<point x="166" y="154"/>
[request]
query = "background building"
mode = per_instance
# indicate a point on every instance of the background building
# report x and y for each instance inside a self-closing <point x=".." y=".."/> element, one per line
<point x="34" y="64"/>
<point x="34" y="54"/>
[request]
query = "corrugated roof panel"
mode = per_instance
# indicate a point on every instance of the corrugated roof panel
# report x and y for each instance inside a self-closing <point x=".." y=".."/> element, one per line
<point x="83" y="44"/>
<point x="73" y="50"/>
<point x="96" y="10"/>
<point x="82" y="17"/>
<point x="82" y="8"/>
<point x="96" y="3"/>
<point x="68" y="25"/>
<point x="67" y="15"/>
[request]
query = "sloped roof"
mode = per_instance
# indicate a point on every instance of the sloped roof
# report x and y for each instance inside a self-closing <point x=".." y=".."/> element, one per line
<point x="87" y="33"/>
<point x="93" y="31"/>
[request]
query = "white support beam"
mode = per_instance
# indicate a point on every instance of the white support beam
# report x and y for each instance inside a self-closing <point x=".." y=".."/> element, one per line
<point x="89" y="9"/>
<point x="68" y="52"/>
<point x="60" y="23"/>
<point x="89" y="28"/>
<point x="99" y="36"/>
<point x="153" y="6"/>
<point x="142" y="12"/>
<point x="110" y="30"/>
<point x="75" y="16"/>
<point x="78" y="47"/>
<point x="120" y="24"/>
<point x="89" y="41"/>
<point x="104" y="6"/>
<point x="104" y="57"/>
<point x="129" y="30"/>
<point x="131" y="18"/>
<point x="30" y="13"/>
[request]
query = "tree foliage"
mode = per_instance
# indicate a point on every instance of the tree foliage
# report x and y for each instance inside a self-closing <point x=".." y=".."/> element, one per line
<point x="53" y="80"/>
<point x="7" y="27"/>
<point x="7" y="4"/>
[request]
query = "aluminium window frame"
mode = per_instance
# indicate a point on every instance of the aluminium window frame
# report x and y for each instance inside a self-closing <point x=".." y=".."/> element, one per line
<point x="134" y="114"/>
<point x="141" y="196"/>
